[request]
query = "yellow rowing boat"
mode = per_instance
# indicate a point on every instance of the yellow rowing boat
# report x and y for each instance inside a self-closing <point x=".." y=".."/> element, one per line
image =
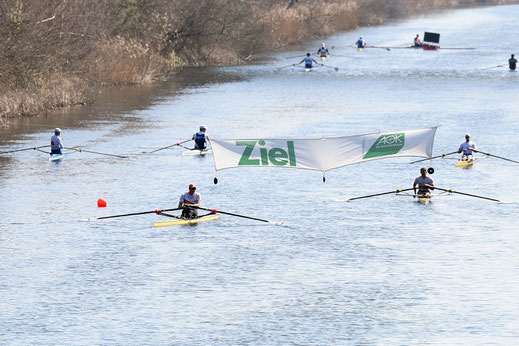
<point x="424" y="199"/>
<point x="194" y="221"/>
<point x="466" y="163"/>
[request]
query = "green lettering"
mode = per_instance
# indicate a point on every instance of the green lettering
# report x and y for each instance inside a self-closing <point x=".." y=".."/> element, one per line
<point x="264" y="159"/>
<point x="245" y="158"/>
<point x="278" y="153"/>
<point x="291" y="153"/>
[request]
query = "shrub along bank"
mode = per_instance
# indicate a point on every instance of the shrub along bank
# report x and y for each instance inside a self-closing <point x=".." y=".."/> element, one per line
<point x="53" y="52"/>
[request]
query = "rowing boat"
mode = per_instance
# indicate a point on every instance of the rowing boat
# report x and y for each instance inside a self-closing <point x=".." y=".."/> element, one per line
<point x="466" y="163"/>
<point x="323" y="57"/>
<point x="424" y="199"/>
<point x="196" y="152"/>
<point x="360" y="49"/>
<point x="193" y="221"/>
<point x="55" y="157"/>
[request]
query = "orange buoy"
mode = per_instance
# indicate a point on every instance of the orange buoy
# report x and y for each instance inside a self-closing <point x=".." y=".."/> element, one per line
<point x="101" y="203"/>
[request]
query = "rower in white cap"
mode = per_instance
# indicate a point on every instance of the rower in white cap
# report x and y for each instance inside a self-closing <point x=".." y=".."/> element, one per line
<point x="467" y="147"/>
<point x="56" y="145"/>
<point x="200" y="139"/>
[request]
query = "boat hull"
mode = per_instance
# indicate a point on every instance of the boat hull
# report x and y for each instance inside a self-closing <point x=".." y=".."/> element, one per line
<point x="424" y="200"/>
<point x="465" y="164"/>
<point x="178" y="222"/>
<point x="55" y="157"/>
<point x="196" y="152"/>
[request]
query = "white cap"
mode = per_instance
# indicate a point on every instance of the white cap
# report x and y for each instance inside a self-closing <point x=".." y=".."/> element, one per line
<point x="202" y="127"/>
<point x="57" y="129"/>
<point x="361" y="37"/>
<point x="467" y="134"/>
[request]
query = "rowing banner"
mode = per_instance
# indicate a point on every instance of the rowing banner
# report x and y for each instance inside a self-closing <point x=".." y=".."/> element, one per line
<point x="321" y="154"/>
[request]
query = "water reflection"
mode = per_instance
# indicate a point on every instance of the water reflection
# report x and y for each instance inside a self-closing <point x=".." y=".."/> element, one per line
<point x="381" y="270"/>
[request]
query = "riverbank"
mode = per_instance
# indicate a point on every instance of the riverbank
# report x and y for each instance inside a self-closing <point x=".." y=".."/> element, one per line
<point x="57" y="55"/>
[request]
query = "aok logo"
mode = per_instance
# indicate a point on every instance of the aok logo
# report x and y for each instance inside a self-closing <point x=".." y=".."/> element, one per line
<point x="275" y="156"/>
<point x="386" y="145"/>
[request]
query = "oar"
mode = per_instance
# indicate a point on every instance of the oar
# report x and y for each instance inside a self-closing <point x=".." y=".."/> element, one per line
<point x="169" y="146"/>
<point x="434" y="157"/>
<point x="386" y="48"/>
<point x="158" y="211"/>
<point x="499" y="157"/>
<point x="279" y="68"/>
<point x="17" y="150"/>
<point x="488" y="68"/>
<point x="242" y="216"/>
<point x="335" y="68"/>
<point x="467" y="194"/>
<point x="169" y="215"/>
<point x="96" y="152"/>
<point x="457" y="48"/>
<point x="380" y="194"/>
<point x="347" y="46"/>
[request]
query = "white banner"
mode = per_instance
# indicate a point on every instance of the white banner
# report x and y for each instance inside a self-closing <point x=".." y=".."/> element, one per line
<point x="321" y="154"/>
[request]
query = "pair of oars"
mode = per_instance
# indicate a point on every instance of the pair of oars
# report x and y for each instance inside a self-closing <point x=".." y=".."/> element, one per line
<point x="74" y="150"/>
<point x="161" y="212"/>
<point x="438" y="188"/>
<point x="335" y="68"/>
<point x="475" y="150"/>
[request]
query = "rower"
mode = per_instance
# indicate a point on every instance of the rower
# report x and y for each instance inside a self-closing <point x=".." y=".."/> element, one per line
<point x="308" y="61"/>
<point x="323" y="51"/>
<point x="200" y="139"/>
<point x="512" y="62"/>
<point x="188" y="200"/>
<point x="424" y="184"/>
<point x="56" y="145"/>
<point x="361" y="43"/>
<point x="417" y="42"/>
<point x="467" y="147"/>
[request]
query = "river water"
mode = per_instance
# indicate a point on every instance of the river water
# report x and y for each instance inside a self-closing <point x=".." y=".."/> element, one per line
<point x="384" y="270"/>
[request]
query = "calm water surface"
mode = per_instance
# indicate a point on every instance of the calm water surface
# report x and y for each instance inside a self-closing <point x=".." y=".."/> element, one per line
<point x="375" y="271"/>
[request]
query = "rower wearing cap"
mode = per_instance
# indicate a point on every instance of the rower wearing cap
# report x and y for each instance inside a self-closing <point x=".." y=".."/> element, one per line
<point x="424" y="183"/>
<point x="361" y="43"/>
<point x="56" y="145"/>
<point x="188" y="200"/>
<point x="323" y="51"/>
<point x="467" y="147"/>
<point x="200" y="139"/>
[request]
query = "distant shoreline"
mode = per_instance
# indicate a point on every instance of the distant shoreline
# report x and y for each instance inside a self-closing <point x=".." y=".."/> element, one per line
<point x="54" y="58"/>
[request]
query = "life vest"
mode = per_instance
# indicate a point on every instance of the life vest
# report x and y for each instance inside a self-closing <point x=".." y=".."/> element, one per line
<point x="200" y="139"/>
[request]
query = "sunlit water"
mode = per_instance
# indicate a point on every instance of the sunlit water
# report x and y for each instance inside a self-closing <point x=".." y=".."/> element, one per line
<point x="384" y="270"/>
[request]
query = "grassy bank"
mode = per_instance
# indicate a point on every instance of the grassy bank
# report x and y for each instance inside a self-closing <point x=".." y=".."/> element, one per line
<point x="54" y="52"/>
